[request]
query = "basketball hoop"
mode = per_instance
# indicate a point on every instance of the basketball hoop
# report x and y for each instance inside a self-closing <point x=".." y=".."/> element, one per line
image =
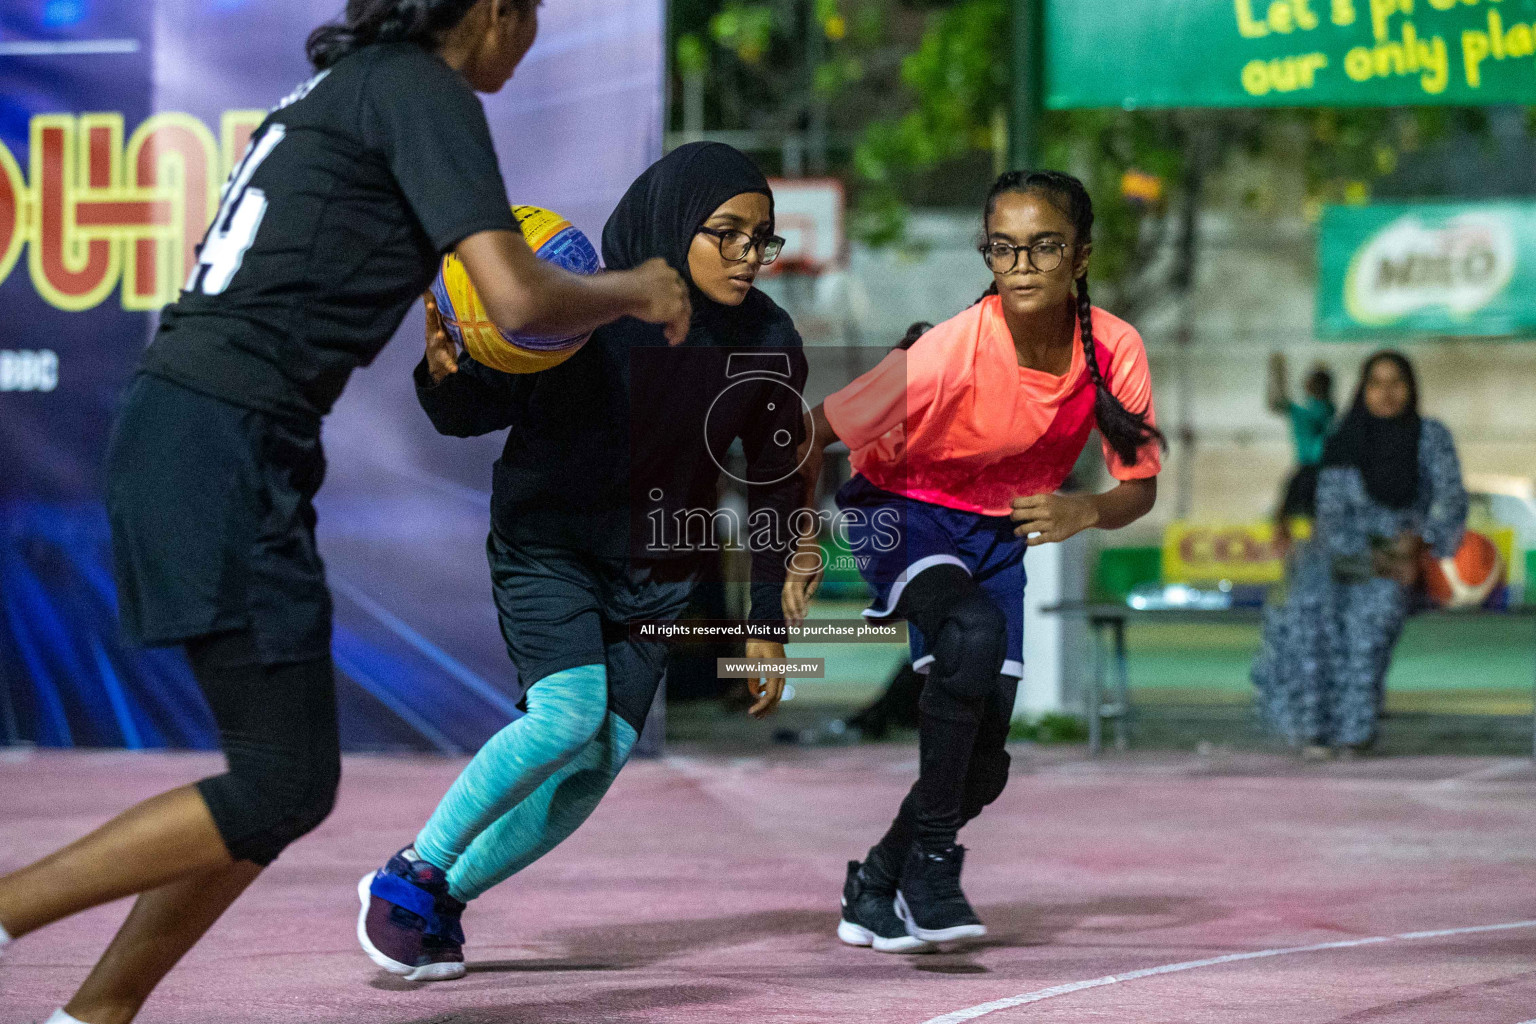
<point x="808" y="214"/>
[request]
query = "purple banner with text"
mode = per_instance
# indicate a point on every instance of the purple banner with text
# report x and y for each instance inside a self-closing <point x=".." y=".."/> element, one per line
<point x="119" y="121"/>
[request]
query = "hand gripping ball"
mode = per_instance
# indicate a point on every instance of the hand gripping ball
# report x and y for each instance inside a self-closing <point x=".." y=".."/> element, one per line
<point x="1466" y="579"/>
<point x="553" y="239"/>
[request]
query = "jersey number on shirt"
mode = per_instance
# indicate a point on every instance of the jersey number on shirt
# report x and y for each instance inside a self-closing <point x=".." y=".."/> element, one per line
<point x="240" y="216"/>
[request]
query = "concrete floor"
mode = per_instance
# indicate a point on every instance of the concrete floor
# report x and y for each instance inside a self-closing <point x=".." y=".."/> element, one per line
<point x="705" y="889"/>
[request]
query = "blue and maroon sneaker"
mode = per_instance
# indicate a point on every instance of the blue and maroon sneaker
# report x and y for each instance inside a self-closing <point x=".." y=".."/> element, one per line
<point x="409" y="925"/>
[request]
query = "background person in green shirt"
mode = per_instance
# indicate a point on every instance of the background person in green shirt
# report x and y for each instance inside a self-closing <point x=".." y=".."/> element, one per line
<point x="1311" y="423"/>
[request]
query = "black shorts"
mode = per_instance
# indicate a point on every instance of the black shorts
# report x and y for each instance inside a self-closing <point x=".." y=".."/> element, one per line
<point x="561" y="608"/>
<point x="212" y="523"/>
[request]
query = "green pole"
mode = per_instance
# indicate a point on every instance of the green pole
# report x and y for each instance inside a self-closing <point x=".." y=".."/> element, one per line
<point x="1025" y="78"/>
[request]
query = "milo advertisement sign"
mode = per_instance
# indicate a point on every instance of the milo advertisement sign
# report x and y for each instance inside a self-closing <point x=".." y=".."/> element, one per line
<point x="1462" y="270"/>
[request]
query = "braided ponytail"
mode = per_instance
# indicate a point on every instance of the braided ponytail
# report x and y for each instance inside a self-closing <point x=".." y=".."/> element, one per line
<point x="367" y="22"/>
<point x="914" y="332"/>
<point x="1126" y="431"/>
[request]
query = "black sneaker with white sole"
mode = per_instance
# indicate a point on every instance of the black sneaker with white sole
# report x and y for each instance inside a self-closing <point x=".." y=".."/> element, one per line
<point x="869" y="911"/>
<point x="929" y="901"/>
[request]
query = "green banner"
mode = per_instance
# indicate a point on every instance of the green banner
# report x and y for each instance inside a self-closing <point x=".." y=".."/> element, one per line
<point x="1288" y="53"/>
<point x="1453" y="270"/>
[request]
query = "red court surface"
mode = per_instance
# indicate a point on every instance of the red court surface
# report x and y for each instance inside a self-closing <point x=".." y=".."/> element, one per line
<point x="705" y="889"/>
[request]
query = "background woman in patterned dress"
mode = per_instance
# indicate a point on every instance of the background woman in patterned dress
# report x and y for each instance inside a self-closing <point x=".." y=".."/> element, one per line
<point x="1389" y="488"/>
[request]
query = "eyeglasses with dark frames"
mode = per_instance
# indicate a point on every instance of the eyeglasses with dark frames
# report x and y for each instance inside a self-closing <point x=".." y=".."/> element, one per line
<point x="1044" y="257"/>
<point x="735" y="245"/>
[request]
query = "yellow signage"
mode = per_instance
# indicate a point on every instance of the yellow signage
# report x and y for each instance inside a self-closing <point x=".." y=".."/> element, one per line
<point x="1198" y="553"/>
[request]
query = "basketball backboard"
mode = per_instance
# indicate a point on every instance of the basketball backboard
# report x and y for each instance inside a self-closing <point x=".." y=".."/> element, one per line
<point x="809" y="215"/>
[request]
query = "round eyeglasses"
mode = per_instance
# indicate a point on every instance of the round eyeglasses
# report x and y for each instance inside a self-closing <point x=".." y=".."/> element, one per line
<point x="1042" y="256"/>
<point x="734" y="245"/>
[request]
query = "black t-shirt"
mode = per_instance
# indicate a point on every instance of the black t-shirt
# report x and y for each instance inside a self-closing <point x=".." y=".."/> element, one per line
<point x="330" y="227"/>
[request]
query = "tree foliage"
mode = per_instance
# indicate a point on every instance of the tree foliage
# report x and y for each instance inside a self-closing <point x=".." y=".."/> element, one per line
<point x="956" y="85"/>
<point x="759" y="61"/>
<point x="922" y="88"/>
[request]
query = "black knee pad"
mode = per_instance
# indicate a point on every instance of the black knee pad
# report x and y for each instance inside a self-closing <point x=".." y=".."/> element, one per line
<point x="985" y="781"/>
<point x="278" y="726"/>
<point x="304" y="805"/>
<point x="264" y="804"/>
<point x="970" y="647"/>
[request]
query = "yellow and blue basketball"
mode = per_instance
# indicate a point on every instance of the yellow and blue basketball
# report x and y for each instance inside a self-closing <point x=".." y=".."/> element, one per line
<point x="553" y="239"/>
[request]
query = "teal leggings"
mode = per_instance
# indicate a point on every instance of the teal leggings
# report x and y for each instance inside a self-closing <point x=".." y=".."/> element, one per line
<point x="531" y="785"/>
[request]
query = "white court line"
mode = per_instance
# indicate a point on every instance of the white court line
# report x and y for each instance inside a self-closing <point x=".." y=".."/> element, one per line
<point x="972" y="1012"/>
<point x="27" y="48"/>
<point x="1508" y="766"/>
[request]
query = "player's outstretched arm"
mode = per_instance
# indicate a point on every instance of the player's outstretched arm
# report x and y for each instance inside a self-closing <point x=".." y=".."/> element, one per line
<point x="805" y="568"/>
<point x="818" y="436"/>
<point x="1052" y="518"/>
<point x="522" y="293"/>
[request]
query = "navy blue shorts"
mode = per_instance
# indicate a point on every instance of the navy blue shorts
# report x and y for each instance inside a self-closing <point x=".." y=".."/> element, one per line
<point x="894" y="538"/>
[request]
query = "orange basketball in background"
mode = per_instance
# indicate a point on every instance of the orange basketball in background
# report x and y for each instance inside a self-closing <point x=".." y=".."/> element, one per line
<point x="1466" y="579"/>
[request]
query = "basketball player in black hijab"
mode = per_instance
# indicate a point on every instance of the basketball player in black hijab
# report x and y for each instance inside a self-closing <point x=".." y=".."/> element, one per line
<point x="610" y="471"/>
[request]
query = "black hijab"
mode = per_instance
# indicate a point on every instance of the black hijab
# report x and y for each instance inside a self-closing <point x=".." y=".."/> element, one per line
<point x="1385" y="451"/>
<point x="629" y="413"/>
<point x="665" y="207"/>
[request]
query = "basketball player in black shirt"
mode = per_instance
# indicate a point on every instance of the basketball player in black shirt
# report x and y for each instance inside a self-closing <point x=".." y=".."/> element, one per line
<point x="332" y="224"/>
